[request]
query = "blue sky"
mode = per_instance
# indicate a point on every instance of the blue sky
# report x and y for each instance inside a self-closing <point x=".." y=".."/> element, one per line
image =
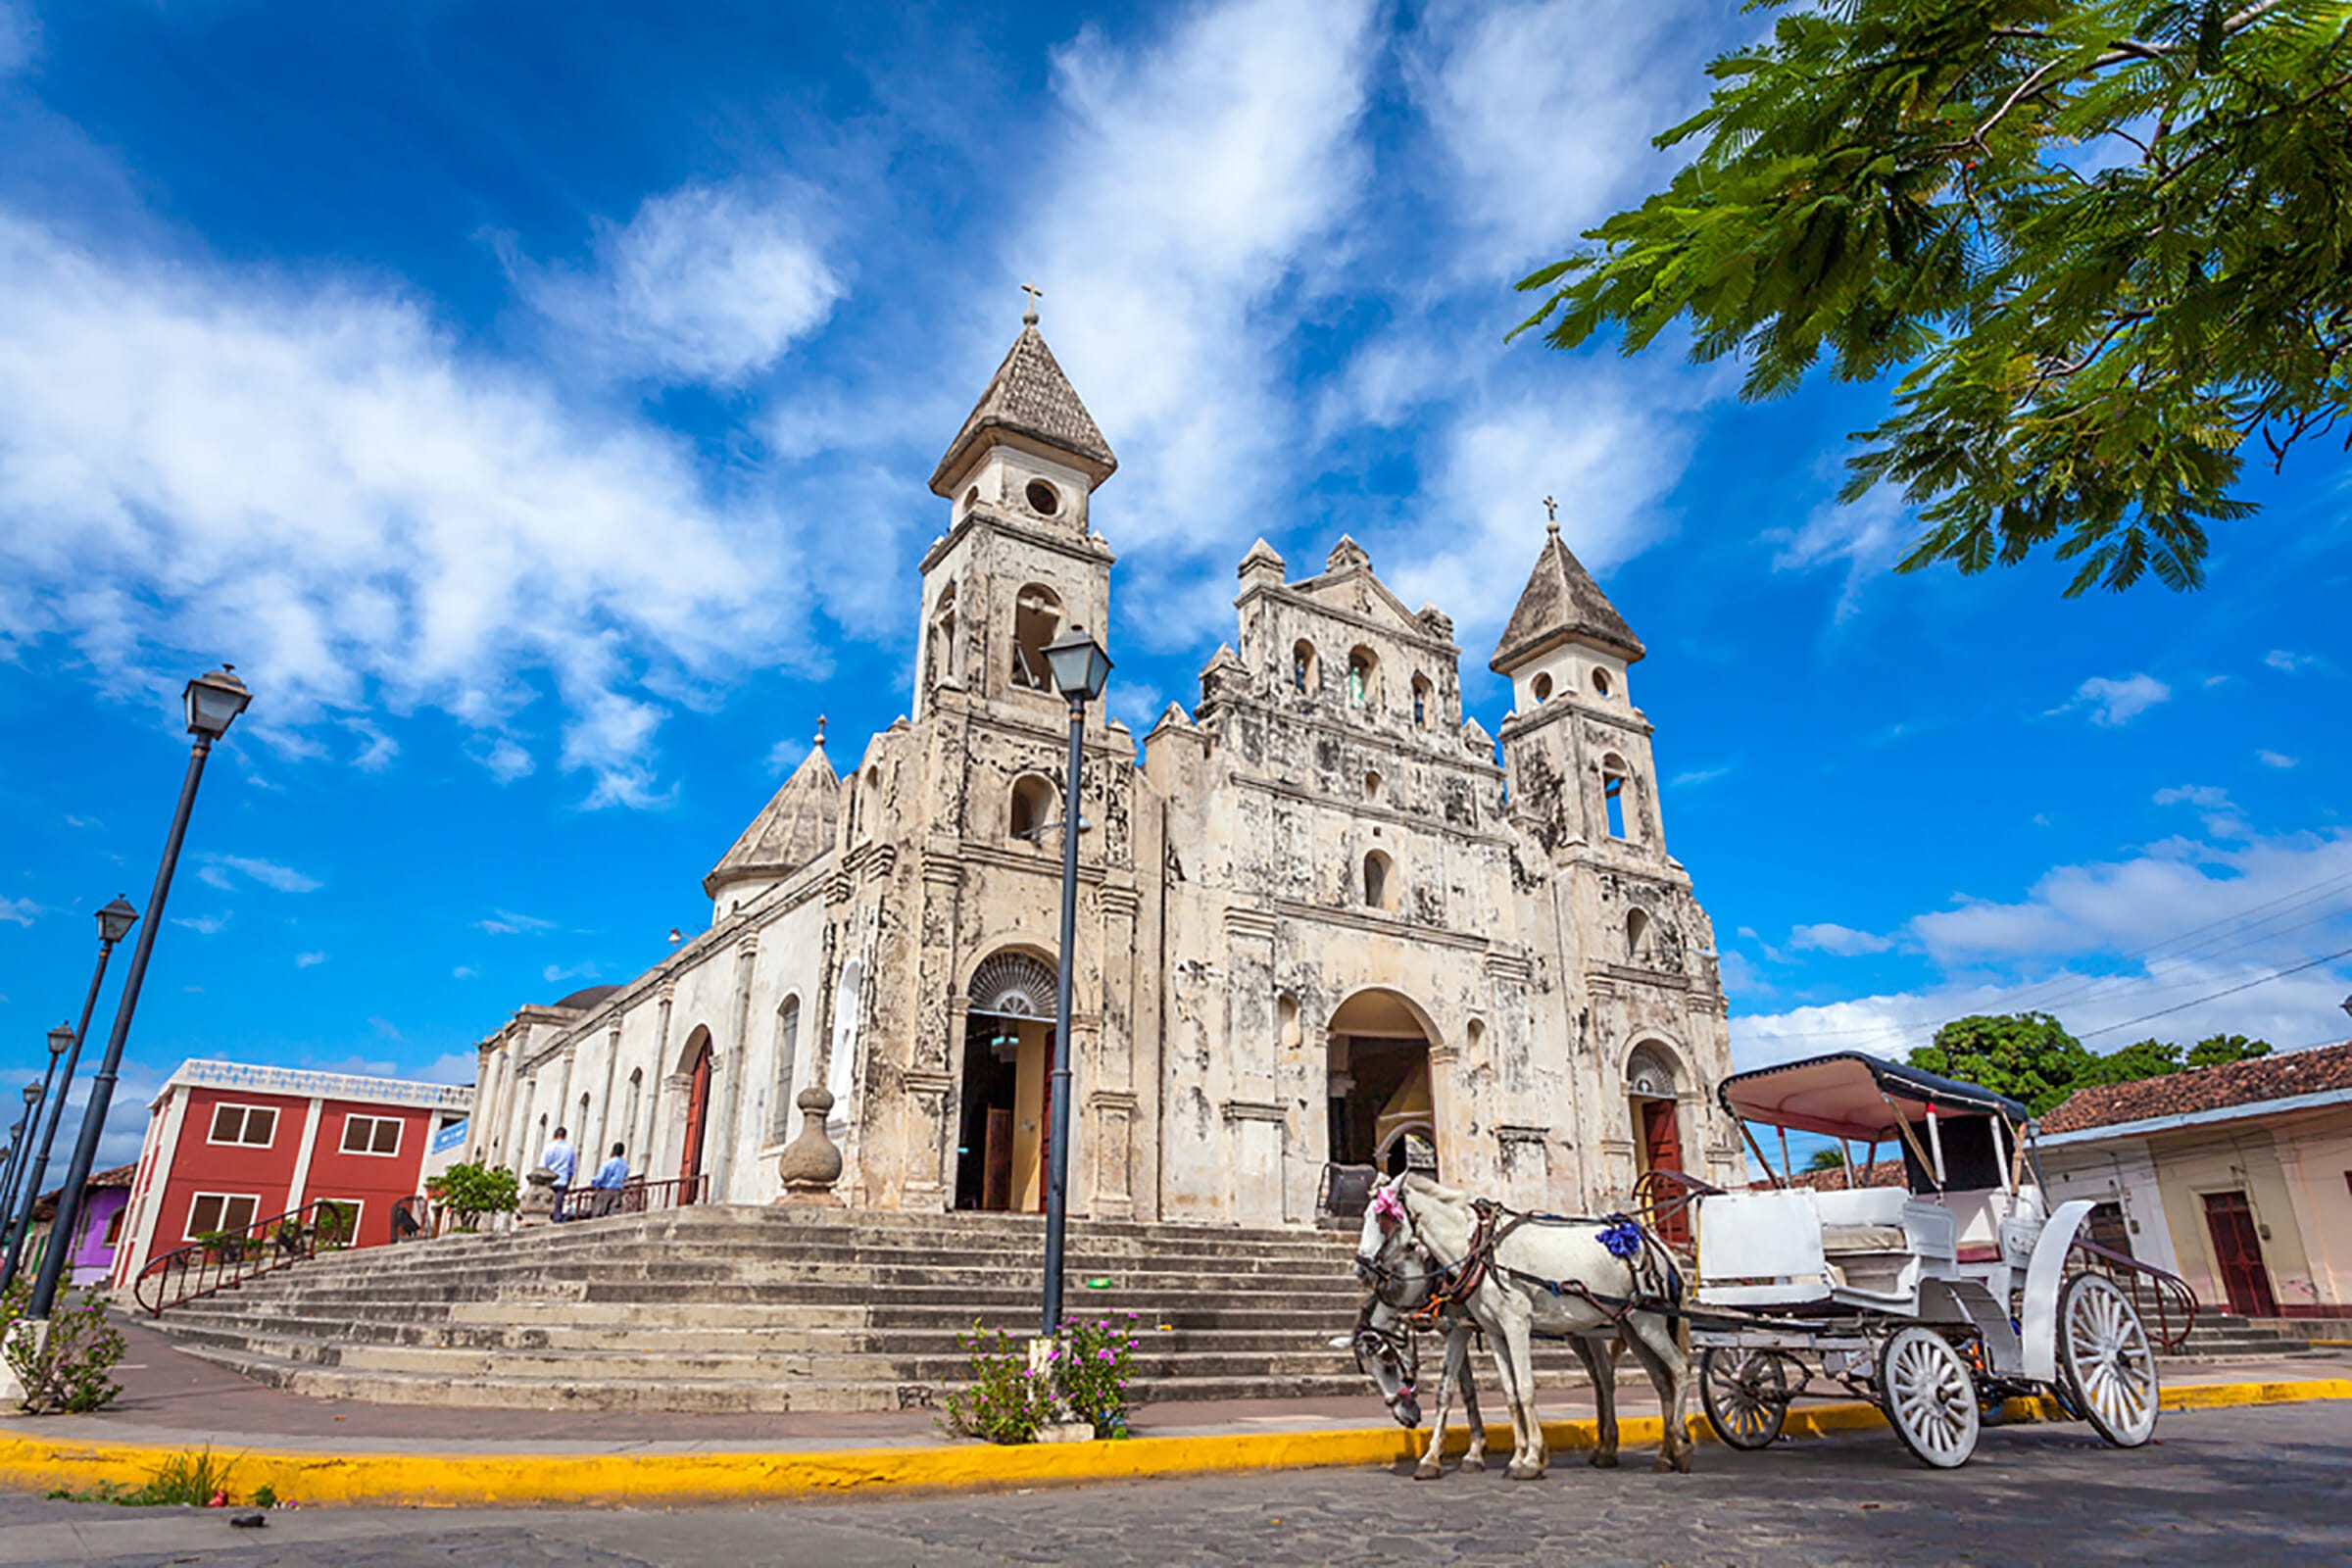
<point x="535" y="403"/>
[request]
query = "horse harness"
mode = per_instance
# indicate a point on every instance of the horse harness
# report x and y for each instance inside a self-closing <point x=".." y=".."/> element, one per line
<point x="1452" y="1287"/>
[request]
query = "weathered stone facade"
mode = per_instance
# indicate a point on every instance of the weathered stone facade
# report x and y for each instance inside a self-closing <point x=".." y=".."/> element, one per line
<point x="1315" y="919"/>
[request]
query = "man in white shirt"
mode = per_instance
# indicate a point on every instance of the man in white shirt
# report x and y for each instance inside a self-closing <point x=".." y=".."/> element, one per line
<point x="564" y="1161"/>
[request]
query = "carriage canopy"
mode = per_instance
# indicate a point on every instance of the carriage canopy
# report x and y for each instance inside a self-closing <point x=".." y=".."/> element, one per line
<point x="1850" y="1094"/>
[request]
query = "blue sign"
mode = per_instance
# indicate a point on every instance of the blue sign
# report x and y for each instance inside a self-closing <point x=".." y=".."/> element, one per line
<point x="450" y="1137"/>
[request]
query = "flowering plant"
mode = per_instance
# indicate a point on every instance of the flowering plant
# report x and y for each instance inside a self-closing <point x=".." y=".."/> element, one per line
<point x="1004" y="1403"/>
<point x="1084" y="1375"/>
<point x="1095" y="1364"/>
<point x="69" y="1370"/>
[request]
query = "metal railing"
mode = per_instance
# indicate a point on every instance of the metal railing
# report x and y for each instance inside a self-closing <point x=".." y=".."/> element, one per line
<point x="635" y="1197"/>
<point x="1662" y="1200"/>
<point x="226" y="1259"/>
<point x="2161" y="1298"/>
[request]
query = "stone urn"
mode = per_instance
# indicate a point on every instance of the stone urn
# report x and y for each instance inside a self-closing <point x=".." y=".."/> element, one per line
<point x="538" y="1202"/>
<point x="810" y="1163"/>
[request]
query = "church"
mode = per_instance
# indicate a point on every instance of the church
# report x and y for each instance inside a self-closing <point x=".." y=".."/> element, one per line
<point x="1325" y="919"/>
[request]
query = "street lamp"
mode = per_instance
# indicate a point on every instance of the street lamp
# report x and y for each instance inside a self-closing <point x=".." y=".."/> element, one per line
<point x="1079" y="667"/>
<point x="213" y="701"/>
<point x="115" y="921"/>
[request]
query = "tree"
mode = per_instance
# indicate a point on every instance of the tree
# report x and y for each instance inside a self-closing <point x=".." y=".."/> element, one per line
<point x="2105" y="243"/>
<point x="2215" y="1049"/>
<point x="469" y="1192"/>
<point x="1830" y="1159"/>
<point x="2150" y="1059"/>
<point x="2026" y="1055"/>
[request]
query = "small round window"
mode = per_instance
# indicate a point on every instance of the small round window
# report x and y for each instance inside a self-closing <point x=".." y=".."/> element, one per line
<point x="1601" y="681"/>
<point x="1542" y="688"/>
<point x="1043" y="497"/>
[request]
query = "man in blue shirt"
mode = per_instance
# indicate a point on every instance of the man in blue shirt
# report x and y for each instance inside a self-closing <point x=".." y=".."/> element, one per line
<point x="611" y="1177"/>
<point x="564" y="1161"/>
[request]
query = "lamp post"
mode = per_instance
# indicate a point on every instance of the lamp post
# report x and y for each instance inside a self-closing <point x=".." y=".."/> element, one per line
<point x="115" y="921"/>
<point x="28" y="1174"/>
<point x="212" y="702"/>
<point x="1079" y="668"/>
<point x="19" y="1146"/>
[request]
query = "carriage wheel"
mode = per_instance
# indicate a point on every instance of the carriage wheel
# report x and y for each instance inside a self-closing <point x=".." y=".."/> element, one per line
<point x="1930" y="1401"/>
<point x="2104" y="1355"/>
<point x="1745" y="1395"/>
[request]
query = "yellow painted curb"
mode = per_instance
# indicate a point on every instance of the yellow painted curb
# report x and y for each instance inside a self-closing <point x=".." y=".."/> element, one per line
<point x="32" y="1463"/>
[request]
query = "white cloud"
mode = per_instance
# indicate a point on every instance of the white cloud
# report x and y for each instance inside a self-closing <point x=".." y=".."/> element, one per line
<point x="507" y="761"/>
<point x="1843" y="941"/>
<point x="2221" y="813"/>
<point x="412" y="497"/>
<point x="2290" y="663"/>
<point x="450" y="1067"/>
<point x="704" y="284"/>
<point x="269" y="873"/>
<point x="464" y="972"/>
<point x="308" y="960"/>
<point x="1186" y="187"/>
<point x="559" y="973"/>
<point x="2274" y="759"/>
<point x="1544" y="113"/>
<point x="787" y="754"/>
<point x="507" y="923"/>
<point x="1868" y="536"/>
<point x="376" y="749"/>
<point x="2117" y="700"/>
<point x="18" y="911"/>
<point x="203" y="925"/>
<point x="1693" y="778"/>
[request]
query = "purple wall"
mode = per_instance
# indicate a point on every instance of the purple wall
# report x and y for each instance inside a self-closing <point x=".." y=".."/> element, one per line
<point x="94" y="1259"/>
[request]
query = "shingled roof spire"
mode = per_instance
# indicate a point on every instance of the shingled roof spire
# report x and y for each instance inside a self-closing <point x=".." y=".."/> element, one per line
<point x="1560" y="604"/>
<point x="793" y="828"/>
<point x="1029" y="403"/>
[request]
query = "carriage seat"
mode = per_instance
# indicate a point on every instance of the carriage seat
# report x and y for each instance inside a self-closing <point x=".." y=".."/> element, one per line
<point x="1864" y="1239"/>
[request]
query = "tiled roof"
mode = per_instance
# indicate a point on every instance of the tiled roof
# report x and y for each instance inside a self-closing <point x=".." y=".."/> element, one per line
<point x="1030" y="396"/>
<point x="1560" y="601"/>
<point x="1886" y="1173"/>
<point x="2206" y="1088"/>
<point x="45" y="1206"/>
<point x="791" y="829"/>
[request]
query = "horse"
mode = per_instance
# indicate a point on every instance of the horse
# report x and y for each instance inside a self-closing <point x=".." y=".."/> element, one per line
<point x="1515" y="1276"/>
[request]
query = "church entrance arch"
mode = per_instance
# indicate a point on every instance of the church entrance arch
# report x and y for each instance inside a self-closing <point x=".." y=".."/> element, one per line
<point x="701" y="1063"/>
<point x="1649" y="1091"/>
<point x="1007" y="1105"/>
<point x="1382" y="1105"/>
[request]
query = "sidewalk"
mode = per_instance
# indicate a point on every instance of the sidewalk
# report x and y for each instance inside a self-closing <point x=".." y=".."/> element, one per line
<point x="322" y="1451"/>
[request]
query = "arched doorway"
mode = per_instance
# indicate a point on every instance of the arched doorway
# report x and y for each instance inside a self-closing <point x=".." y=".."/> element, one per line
<point x="1650" y="1093"/>
<point x="1382" y="1106"/>
<point x="701" y="1063"/>
<point x="1006" y="1107"/>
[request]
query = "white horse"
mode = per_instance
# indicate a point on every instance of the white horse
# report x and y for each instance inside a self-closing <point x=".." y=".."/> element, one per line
<point x="1529" y="1277"/>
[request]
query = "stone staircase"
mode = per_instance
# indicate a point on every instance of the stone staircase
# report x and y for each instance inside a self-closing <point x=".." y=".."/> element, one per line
<point x="2224" y="1336"/>
<point x="756" y="1310"/>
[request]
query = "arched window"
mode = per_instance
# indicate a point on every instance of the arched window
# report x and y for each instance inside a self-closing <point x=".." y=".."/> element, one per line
<point x="1036" y="619"/>
<point x="943" y="637"/>
<point x="1379" y="881"/>
<point x="1372" y="788"/>
<point x="1648" y="1074"/>
<point x="1612" y="794"/>
<point x="1032" y="807"/>
<point x="1421" y="696"/>
<point x="628" y="1123"/>
<point x="1286" y="1021"/>
<point x="788" y="1050"/>
<point x="1363" y="678"/>
<point x="583" y="1125"/>
<point x="1302" y="667"/>
<point x="1636" y="933"/>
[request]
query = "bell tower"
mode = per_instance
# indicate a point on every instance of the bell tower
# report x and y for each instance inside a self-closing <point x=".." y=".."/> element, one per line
<point x="1018" y="565"/>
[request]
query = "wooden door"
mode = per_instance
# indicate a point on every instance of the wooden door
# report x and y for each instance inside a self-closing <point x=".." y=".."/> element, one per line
<point x="1663" y="1142"/>
<point x="1045" y="1130"/>
<point x="698" y="1109"/>
<point x="2238" y="1254"/>
<point x="995" y="1156"/>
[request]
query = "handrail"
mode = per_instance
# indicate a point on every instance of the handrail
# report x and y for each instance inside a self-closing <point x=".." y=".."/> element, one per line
<point x="2147" y="1286"/>
<point x="1662" y="1197"/>
<point x="229" y="1258"/>
<point x="636" y="1196"/>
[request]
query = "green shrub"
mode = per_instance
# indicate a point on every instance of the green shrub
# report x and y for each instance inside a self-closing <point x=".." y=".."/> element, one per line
<point x="190" y="1480"/>
<point x="469" y="1192"/>
<point x="1004" y="1402"/>
<point x="1087" y="1376"/>
<point x="68" y="1371"/>
<point x="1093" y="1364"/>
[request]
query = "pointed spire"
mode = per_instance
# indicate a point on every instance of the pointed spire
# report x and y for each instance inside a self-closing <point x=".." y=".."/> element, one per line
<point x="1029" y="398"/>
<point x="1562" y="602"/>
<point x="793" y="828"/>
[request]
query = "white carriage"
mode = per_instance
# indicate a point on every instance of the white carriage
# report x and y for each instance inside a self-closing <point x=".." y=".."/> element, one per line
<point x="1938" y="1301"/>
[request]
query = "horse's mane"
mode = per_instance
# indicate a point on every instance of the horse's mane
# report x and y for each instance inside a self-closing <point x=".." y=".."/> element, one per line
<point x="1431" y="1188"/>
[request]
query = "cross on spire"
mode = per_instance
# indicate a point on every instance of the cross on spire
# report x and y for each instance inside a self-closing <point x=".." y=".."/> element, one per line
<point x="1551" y="515"/>
<point x="820" y="731"/>
<point x="1029" y="314"/>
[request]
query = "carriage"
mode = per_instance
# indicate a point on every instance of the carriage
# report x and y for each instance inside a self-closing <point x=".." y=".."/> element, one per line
<point x="1938" y="1300"/>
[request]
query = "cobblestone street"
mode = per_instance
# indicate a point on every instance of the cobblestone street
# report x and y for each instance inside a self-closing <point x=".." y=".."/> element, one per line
<point x="2225" y="1486"/>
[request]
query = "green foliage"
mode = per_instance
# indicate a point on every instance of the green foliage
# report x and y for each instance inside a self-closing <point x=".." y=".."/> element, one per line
<point x="2215" y="1049"/>
<point x="188" y="1480"/>
<point x="265" y="1496"/>
<point x="1004" y="1403"/>
<point x="2150" y="1059"/>
<point x="2026" y="1055"/>
<point x="334" y="1224"/>
<point x="2103" y="241"/>
<point x="1830" y="1159"/>
<point x="1088" y="1375"/>
<point x="469" y="1191"/>
<point x="222" y="1244"/>
<point x="68" y="1372"/>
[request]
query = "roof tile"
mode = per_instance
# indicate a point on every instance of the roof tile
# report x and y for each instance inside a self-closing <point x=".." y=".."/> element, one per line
<point x="2204" y="1089"/>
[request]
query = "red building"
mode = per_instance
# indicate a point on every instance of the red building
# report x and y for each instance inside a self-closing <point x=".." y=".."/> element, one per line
<point x="229" y="1146"/>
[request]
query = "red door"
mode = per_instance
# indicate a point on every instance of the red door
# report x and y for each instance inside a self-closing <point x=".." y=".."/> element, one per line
<point x="697" y="1107"/>
<point x="2238" y="1254"/>
<point x="1663" y="1142"/>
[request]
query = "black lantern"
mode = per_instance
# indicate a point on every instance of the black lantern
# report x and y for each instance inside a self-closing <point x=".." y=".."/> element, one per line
<point x="61" y="1040"/>
<point x="115" y="920"/>
<point x="214" y="702"/>
<point x="1079" y="666"/>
